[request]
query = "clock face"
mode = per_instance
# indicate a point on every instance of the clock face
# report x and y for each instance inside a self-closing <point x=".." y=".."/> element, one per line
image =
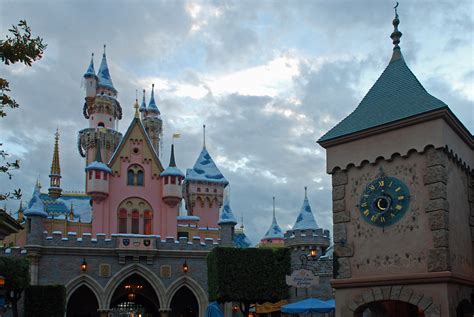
<point x="384" y="201"/>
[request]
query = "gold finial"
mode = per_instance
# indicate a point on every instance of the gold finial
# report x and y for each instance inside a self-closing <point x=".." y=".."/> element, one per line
<point x="55" y="167"/>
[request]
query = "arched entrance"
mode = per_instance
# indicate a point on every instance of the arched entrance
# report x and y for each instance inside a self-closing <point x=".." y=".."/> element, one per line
<point x="184" y="303"/>
<point x="134" y="297"/>
<point x="388" y="308"/>
<point x="82" y="303"/>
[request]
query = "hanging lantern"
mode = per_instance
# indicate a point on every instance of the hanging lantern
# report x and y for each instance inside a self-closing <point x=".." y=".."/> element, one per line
<point x="84" y="265"/>
<point x="185" y="267"/>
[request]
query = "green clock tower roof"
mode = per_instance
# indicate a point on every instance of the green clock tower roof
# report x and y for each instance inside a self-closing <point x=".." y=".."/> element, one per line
<point x="396" y="95"/>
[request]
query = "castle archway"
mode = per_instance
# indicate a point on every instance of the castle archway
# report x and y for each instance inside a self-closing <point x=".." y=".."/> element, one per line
<point x="134" y="296"/>
<point x="184" y="303"/>
<point x="82" y="303"/>
<point x="182" y="289"/>
<point x="388" y="308"/>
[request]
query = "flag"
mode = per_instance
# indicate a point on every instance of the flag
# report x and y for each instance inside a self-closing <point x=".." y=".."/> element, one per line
<point x="176" y="135"/>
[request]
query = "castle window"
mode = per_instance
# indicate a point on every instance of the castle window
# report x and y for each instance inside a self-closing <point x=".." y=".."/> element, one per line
<point x="215" y="190"/>
<point x="173" y="179"/>
<point x="135" y="176"/>
<point x="122" y="221"/>
<point x="140" y="178"/>
<point x="90" y="174"/>
<point x="105" y="176"/>
<point x="147" y="216"/>
<point x="135" y="222"/>
<point x="101" y="125"/>
<point x="166" y="180"/>
<point x="199" y="189"/>
<point x="207" y="190"/>
<point x="97" y="174"/>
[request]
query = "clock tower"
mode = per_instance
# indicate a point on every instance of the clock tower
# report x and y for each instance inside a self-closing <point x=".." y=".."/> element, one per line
<point x="403" y="201"/>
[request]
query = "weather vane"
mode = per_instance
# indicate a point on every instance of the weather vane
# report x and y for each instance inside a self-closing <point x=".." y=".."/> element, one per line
<point x="395" y="7"/>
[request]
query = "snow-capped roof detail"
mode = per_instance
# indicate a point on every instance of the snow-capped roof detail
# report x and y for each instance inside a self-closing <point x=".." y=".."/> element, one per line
<point x="205" y="170"/>
<point x="241" y="240"/>
<point x="98" y="166"/>
<point x="188" y="218"/>
<point x="90" y="72"/>
<point x="172" y="170"/>
<point x="143" y="105"/>
<point x="226" y="214"/>
<point x="104" y="75"/>
<point x="36" y="205"/>
<point x="152" y="107"/>
<point x="305" y="219"/>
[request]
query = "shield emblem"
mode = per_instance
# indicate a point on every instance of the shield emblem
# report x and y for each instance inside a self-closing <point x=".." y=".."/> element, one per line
<point x="146" y="242"/>
<point x="126" y="242"/>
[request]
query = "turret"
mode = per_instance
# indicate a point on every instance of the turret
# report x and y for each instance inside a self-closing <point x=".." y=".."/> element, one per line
<point x="172" y="180"/>
<point x="152" y="122"/>
<point x="306" y="234"/>
<point x="55" y="190"/>
<point x="274" y="236"/>
<point x="227" y="223"/>
<point x="90" y="80"/>
<point x="36" y="214"/>
<point x="142" y="108"/>
<point x="203" y="189"/>
<point x="103" y="112"/>
<point x="97" y="181"/>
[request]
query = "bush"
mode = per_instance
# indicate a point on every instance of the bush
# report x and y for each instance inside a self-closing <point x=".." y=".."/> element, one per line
<point x="45" y="300"/>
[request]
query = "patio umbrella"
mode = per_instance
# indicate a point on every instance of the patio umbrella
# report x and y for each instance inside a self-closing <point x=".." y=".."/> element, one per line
<point x="308" y="306"/>
<point x="213" y="310"/>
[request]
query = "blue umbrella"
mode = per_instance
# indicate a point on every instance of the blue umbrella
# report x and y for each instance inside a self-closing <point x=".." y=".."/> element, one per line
<point x="309" y="305"/>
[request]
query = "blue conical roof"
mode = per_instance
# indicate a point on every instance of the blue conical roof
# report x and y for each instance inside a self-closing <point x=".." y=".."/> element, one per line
<point x="205" y="170"/>
<point x="90" y="72"/>
<point x="305" y="219"/>
<point x="241" y="240"/>
<point x="152" y="107"/>
<point x="226" y="216"/>
<point x="36" y="205"/>
<point x="274" y="231"/>
<point x="172" y="170"/>
<point x="143" y="105"/>
<point x="97" y="164"/>
<point x="104" y="75"/>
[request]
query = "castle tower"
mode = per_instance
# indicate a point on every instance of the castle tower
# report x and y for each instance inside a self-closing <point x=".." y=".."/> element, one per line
<point x="103" y="111"/>
<point x="172" y="181"/>
<point x="142" y="108"/>
<point x="203" y="189"/>
<point x="152" y="121"/>
<point x="227" y="223"/>
<point x="402" y="178"/>
<point x="55" y="190"/>
<point x="36" y="214"/>
<point x="274" y="236"/>
<point x="97" y="180"/>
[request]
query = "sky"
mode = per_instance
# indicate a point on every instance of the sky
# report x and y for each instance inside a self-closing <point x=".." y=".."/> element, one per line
<point x="268" y="78"/>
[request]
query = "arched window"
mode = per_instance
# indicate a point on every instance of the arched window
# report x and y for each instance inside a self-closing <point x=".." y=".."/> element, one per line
<point x="101" y="125"/>
<point x="135" y="176"/>
<point x="147" y="216"/>
<point x="135" y="222"/>
<point x="130" y="177"/>
<point x="140" y="178"/>
<point x="122" y="221"/>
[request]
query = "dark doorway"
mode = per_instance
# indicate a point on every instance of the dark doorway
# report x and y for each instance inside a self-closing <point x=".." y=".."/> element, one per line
<point x="184" y="303"/>
<point x="135" y="297"/>
<point x="82" y="303"/>
<point x="465" y="309"/>
<point x="388" y="308"/>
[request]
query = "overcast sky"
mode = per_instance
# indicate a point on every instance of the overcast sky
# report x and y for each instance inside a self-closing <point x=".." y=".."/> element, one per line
<point x="268" y="78"/>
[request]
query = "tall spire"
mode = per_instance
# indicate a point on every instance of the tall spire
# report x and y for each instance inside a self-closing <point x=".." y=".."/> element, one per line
<point x="152" y="107"/>
<point x="274" y="217"/>
<point x="55" y="175"/>
<point x="104" y="75"/>
<point x="395" y="36"/>
<point x="172" y="160"/>
<point x="90" y="70"/>
<point x="143" y="105"/>
<point x="203" y="136"/>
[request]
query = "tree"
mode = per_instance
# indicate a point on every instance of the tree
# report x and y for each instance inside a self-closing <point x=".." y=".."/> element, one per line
<point x="45" y="300"/>
<point x="24" y="48"/>
<point x="248" y="276"/>
<point x="16" y="272"/>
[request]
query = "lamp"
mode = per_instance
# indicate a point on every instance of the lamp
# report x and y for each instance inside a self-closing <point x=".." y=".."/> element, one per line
<point x="235" y="308"/>
<point x="131" y="296"/>
<point x="84" y="265"/>
<point x="313" y="253"/>
<point x="2" y="281"/>
<point x="185" y="267"/>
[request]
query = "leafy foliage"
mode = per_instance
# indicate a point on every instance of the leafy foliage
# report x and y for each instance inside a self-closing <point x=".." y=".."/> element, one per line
<point x="16" y="272"/>
<point x="248" y="276"/>
<point x="21" y="47"/>
<point x="45" y="300"/>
